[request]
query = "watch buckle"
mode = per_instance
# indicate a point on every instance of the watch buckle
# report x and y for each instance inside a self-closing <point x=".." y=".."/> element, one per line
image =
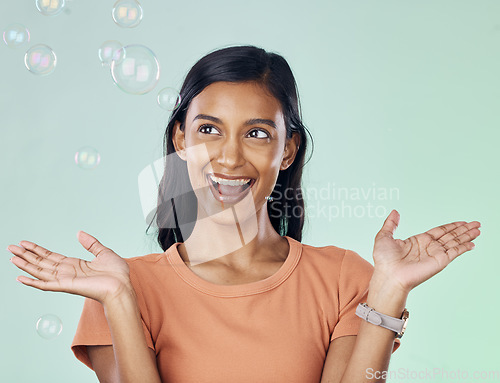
<point x="404" y="317"/>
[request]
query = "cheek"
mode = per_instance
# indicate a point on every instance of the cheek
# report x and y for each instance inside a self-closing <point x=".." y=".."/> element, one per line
<point x="270" y="156"/>
<point x="268" y="163"/>
<point x="197" y="159"/>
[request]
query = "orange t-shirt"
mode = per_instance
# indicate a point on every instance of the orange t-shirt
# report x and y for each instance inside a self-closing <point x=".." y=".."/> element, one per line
<point x="275" y="330"/>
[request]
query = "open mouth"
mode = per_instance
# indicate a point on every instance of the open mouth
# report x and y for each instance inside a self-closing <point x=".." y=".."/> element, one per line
<point x="225" y="190"/>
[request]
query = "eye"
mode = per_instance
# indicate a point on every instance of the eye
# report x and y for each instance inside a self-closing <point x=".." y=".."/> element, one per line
<point x="264" y="134"/>
<point x="206" y="129"/>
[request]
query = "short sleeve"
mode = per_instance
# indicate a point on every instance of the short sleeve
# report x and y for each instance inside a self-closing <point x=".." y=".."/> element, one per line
<point x="354" y="279"/>
<point x="93" y="329"/>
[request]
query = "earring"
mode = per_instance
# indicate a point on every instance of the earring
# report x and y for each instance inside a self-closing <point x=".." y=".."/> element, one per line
<point x="269" y="198"/>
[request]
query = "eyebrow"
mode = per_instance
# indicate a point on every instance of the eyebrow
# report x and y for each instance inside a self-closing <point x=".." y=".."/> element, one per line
<point x="253" y="121"/>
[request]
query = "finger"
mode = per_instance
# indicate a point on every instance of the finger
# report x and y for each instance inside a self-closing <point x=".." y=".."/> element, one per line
<point x="39" y="284"/>
<point x="90" y="243"/>
<point x="30" y="257"/>
<point x="42" y="251"/>
<point x="390" y="225"/>
<point x="439" y="231"/>
<point x="459" y="250"/>
<point x="461" y="234"/>
<point x="35" y="270"/>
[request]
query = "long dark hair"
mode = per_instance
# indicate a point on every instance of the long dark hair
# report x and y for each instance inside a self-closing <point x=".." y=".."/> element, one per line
<point x="234" y="64"/>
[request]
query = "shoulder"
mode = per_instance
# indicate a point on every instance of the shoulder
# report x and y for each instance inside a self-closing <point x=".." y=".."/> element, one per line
<point x="142" y="259"/>
<point x="343" y="260"/>
<point x="148" y="264"/>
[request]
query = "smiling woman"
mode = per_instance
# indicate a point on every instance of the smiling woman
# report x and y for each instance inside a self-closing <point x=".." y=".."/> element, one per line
<point x="255" y="91"/>
<point x="236" y="296"/>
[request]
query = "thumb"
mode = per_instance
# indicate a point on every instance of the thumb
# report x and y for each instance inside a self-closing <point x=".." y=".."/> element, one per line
<point x="90" y="243"/>
<point x="390" y="225"/>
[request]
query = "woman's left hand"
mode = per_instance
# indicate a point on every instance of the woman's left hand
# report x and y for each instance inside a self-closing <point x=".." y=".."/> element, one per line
<point x="410" y="262"/>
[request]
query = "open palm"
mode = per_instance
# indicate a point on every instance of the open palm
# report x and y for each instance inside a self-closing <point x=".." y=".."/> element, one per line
<point x="412" y="261"/>
<point x="102" y="278"/>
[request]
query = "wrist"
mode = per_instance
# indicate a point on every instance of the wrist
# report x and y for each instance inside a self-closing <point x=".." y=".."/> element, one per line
<point x="382" y="281"/>
<point x="125" y="292"/>
<point x="386" y="296"/>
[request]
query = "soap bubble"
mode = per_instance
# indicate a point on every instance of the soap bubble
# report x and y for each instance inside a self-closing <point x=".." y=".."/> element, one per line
<point x="50" y="7"/>
<point x="15" y="35"/>
<point x="49" y="326"/>
<point x="138" y="72"/>
<point x="111" y="51"/>
<point x="40" y="60"/>
<point x="169" y="98"/>
<point x="87" y="157"/>
<point x="127" y="13"/>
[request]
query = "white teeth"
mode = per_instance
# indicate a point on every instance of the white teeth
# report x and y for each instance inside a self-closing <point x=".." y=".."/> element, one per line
<point x="223" y="181"/>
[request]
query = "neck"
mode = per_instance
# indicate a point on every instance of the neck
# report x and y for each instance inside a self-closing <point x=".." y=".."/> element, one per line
<point x="231" y="237"/>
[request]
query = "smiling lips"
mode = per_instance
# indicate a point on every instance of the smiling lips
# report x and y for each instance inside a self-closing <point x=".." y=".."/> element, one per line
<point x="229" y="188"/>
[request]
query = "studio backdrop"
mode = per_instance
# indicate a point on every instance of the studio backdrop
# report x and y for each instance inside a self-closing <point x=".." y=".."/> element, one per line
<point x="401" y="99"/>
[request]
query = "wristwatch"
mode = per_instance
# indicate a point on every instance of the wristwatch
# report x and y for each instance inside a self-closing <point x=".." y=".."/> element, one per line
<point x="394" y="324"/>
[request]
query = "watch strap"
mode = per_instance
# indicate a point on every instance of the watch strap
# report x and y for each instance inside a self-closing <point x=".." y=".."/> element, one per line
<point x="374" y="317"/>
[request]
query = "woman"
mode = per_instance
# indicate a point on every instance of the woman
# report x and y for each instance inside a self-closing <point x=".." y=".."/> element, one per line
<point x="236" y="297"/>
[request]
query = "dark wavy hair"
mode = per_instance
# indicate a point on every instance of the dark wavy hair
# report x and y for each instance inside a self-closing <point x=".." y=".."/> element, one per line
<point x="177" y="203"/>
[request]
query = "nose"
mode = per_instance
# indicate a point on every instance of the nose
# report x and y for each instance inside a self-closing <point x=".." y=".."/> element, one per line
<point x="230" y="154"/>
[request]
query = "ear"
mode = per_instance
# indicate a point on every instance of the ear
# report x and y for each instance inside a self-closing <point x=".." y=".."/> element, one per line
<point x="291" y="148"/>
<point x="179" y="140"/>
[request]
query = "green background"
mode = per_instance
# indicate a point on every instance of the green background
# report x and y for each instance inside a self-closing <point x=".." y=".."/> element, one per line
<point x="397" y="94"/>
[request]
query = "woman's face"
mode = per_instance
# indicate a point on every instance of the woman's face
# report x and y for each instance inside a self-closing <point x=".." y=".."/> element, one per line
<point x="235" y="144"/>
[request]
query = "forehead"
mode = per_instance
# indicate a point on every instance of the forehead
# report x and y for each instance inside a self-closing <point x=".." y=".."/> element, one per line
<point x="234" y="100"/>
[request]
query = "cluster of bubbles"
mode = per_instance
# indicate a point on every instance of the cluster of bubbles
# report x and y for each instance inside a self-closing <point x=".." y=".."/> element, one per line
<point x="40" y="59"/>
<point x="49" y="326"/>
<point x="134" y="69"/>
<point x="87" y="158"/>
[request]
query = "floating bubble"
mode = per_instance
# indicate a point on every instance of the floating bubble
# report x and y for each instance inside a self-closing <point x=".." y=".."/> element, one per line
<point x="50" y="7"/>
<point x="111" y="51"/>
<point x="138" y="72"/>
<point x="169" y="99"/>
<point x="15" y="35"/>
<point x="49" y="326"/>
<point x="127" y="13"/>
<point x="40" y="60"/>
<point x="87" y="157"/>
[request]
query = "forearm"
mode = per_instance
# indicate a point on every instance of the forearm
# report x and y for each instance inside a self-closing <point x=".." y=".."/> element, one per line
<point x="374" y="344"/>
<point x="132" y="357"/>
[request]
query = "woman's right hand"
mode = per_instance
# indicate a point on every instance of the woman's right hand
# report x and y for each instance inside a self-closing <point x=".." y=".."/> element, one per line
<point x="105" y="277"/>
